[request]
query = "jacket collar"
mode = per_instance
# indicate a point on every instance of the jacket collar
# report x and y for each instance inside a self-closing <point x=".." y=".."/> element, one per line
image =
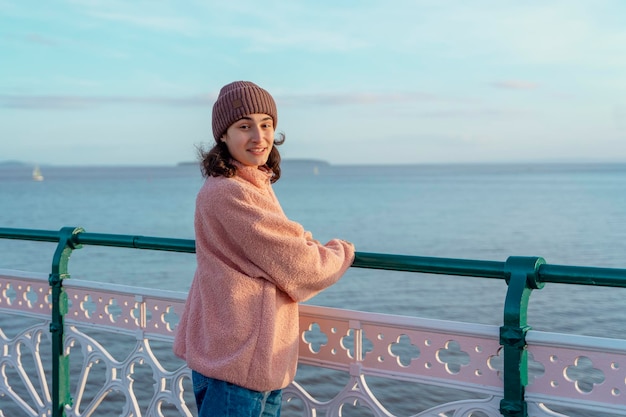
<point x="258" y="176"/>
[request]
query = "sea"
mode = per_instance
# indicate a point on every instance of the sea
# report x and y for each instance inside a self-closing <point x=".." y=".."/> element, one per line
<point x="567" y="213"/>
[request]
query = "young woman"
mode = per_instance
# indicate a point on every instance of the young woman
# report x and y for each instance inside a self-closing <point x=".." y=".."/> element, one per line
<point x="239" y="329"/>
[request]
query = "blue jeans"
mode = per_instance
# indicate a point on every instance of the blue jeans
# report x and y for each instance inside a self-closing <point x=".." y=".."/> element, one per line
<point x="216" y="398"/>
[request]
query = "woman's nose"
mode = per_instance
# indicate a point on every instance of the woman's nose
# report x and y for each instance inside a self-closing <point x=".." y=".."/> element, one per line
<point x="257" y="134"/>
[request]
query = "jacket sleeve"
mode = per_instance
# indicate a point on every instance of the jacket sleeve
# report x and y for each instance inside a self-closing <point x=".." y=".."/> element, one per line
<point x="274" y="248"/>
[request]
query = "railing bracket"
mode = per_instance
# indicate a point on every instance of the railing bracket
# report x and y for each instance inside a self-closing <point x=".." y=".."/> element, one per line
<point x="522" y="276"/>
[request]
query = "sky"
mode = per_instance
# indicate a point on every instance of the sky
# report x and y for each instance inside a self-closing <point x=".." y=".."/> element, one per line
<point x="110" y="82"/>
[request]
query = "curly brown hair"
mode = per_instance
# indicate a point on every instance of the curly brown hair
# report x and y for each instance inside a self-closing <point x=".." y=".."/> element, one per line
<point x="218" y="162"/>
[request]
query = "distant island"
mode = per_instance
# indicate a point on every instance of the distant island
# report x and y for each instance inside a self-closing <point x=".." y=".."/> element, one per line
<point x="292" y="162"/>
<point x="14" y="164"/>
<point x="295" y="161"/>
<point x="317" y="162"/>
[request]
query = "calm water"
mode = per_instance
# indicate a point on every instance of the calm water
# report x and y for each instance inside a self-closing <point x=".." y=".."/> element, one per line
<point x="569" y="214"/>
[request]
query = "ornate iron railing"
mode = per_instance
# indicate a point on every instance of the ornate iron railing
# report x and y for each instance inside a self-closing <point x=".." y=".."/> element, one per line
<point x="513" y="370"/>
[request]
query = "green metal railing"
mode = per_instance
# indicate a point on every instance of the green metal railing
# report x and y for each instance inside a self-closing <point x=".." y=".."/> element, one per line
<point x="522" y="275"/>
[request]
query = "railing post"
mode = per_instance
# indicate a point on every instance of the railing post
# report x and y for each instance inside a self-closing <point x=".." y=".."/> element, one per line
<point x="60" y="362"/>
<point x="521" y="274"/>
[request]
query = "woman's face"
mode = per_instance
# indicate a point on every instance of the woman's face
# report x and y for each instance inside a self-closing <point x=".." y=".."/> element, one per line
<point x="250" y="139"/>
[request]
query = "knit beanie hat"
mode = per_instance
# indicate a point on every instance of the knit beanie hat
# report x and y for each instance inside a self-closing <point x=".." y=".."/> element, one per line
<point x="238" y="99"/>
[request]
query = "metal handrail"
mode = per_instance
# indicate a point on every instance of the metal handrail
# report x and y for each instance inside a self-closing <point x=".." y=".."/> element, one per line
<point x="522" y="274"/>
<point x="560" y="274"/>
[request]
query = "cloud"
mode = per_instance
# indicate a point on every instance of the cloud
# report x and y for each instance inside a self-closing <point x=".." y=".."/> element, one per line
<point x="515" y="85"/>
<point x="31" y="38"/>
<point x="493" y="114"/>
<point x="356" y="98"/>
<point x="619" y="116"/>
<point x="37" y="102"/>
<point x="39" y="39"/>
<point x="170" y="24"/>
<point x="86" y="102"/>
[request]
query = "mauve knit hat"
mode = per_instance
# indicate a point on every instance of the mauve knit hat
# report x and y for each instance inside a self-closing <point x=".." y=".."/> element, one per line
<point x="238" y="99"/>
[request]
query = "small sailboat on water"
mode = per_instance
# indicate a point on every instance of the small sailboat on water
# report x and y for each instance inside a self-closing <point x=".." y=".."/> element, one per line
<point x="37" y="176"/>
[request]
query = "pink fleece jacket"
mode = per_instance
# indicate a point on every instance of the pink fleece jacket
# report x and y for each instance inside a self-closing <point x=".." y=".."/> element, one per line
<point x="240" y="322"/>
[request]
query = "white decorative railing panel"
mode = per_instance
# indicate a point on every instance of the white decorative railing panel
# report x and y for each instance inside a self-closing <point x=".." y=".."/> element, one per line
<point x="353" y="363"/>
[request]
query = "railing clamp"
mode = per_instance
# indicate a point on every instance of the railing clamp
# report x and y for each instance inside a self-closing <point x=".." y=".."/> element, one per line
<point x="54" y="280"/>
<point x="513" y="336"/>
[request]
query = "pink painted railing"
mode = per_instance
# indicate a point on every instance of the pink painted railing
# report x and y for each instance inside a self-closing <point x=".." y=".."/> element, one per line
<point x="352" y="363"/>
